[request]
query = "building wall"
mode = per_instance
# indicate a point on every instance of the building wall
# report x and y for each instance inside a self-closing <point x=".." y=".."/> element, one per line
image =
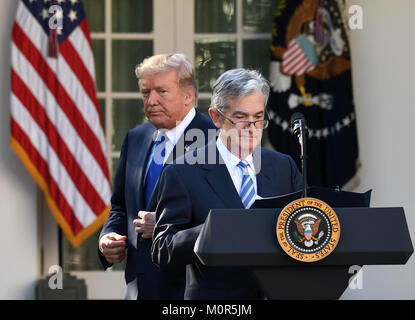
<point x="18" y="194"/>
<point x="383" y="79"/>
<point x="383" y="71"/>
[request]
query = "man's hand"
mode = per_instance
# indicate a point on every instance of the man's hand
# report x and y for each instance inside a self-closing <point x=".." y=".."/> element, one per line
<point x="112" y="246"/>
<point x="145" y="225"/>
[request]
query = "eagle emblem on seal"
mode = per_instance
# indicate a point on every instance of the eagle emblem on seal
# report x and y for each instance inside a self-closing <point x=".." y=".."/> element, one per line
<point x="308" y="226"/>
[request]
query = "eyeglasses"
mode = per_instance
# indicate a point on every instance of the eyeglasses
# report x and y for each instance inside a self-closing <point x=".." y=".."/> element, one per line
<point x="259" y="124"/>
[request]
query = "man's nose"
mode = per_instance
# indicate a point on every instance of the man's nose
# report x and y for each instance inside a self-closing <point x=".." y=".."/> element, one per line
<point x="251" y="126"/>
<point x="152" y="98"/>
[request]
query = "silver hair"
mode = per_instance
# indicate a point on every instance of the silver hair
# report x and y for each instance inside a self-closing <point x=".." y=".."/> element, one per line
<point x="167" y="62"/>
<point x="235" y="84"/>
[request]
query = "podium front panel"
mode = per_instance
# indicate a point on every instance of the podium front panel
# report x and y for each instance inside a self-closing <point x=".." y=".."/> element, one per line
<point x="369" y="236"/>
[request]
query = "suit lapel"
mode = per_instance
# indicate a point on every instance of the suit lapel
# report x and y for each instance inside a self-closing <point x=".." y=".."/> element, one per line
<point x="142" y="156"/>
<point x="264" y="176"/>
<point x="182" y="146"/>
<point x="219" y="179"/>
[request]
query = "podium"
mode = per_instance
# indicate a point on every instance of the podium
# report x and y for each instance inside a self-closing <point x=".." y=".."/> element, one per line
<point x="369" y="236"/>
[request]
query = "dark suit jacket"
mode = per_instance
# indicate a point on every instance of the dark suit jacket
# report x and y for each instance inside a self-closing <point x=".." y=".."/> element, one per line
<point x="186" y="193"/>
<point x="144" y="280"/>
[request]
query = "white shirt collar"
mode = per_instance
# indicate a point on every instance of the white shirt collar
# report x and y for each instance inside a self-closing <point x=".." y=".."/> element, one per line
<point x="231" y="161"/>
<point x="174" y="134"/>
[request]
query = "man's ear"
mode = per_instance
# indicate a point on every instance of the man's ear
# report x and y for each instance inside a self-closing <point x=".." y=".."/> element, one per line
<point x="189" y="97"/>
<point x="215" y="116"/>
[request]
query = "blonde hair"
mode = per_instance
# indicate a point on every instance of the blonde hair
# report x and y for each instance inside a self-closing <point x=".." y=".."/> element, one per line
<point x="167" y="62"/>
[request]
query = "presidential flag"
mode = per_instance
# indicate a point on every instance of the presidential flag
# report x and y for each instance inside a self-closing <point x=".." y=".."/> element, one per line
<point x="56" y="126"/>
<point x="310" y="73"/>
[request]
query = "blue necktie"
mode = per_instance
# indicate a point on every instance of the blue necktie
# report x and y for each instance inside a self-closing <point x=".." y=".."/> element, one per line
<point x="155" y="167"/>
<point x="247" y="192"/>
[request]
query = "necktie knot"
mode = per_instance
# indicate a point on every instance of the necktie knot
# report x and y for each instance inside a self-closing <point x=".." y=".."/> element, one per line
<point x="159" y="151"/>
<point x="243" y="165"/>
<point x="161" y="139"/>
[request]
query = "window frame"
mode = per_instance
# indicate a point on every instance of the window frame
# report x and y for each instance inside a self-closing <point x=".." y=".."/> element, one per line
<point x="186" y="35"/>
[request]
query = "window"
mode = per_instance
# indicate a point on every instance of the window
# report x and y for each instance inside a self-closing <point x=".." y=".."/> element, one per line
<point x="228" y="34"/>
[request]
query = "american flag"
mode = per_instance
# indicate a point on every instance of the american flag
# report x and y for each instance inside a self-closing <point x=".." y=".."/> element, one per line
<point x="56" y="127"/>
<point x="299" y="58"/>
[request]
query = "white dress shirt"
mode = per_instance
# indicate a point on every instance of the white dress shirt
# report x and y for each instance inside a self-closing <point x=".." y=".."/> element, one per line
<point x="231" y="162"/>
<point x="173" y="135"/>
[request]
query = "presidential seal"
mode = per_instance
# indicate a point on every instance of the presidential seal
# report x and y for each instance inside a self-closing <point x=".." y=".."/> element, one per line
<point x="308" y="229"/>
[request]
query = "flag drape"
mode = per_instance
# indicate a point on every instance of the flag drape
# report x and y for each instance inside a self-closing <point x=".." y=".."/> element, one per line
<point x="55" y="120"/>
<point x="310" y="72"/>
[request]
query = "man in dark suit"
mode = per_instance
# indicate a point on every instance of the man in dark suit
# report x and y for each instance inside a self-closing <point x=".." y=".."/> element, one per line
<point x="228" y="173"/>
<point x="169" y="93"/>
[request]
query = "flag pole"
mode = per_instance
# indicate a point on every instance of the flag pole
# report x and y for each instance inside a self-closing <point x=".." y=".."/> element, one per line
<point x="60" y="247"/>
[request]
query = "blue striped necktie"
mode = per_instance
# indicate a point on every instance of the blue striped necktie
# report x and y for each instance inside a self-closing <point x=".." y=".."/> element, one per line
<point x="247" y="192"/>
<point x="155" y="167"/>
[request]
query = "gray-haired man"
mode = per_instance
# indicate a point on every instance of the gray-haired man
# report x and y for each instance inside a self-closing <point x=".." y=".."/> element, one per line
<point x="241" y="171"/>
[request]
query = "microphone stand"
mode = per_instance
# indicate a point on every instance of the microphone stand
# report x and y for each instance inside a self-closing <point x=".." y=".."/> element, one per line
<point x="303" y="143"/>
<point x="300" y="130"/>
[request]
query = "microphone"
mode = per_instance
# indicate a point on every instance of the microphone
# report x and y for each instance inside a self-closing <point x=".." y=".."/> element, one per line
<point x="298" y="125"/>
<point x="299" y="129"/>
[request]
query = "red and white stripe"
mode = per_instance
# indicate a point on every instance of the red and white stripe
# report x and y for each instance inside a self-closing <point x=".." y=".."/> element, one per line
<point x="55" y="119"/>
<point x="295" y="62"/>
